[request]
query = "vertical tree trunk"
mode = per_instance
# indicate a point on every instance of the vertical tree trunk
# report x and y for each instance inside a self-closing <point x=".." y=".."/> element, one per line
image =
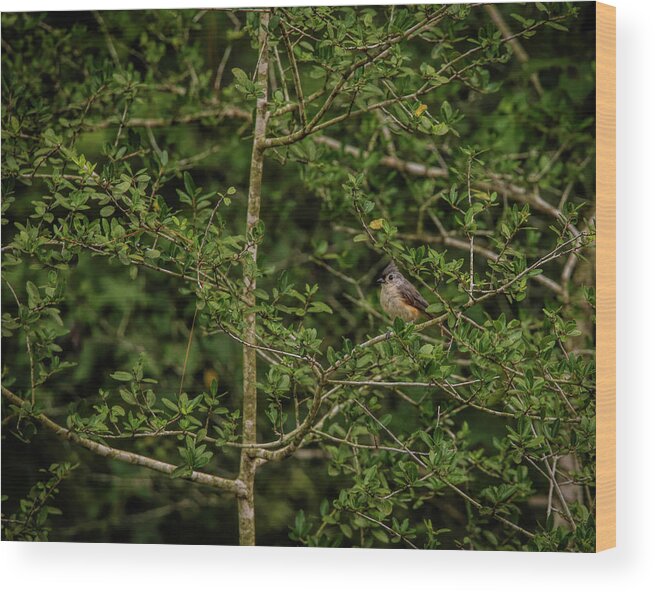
<point x="246" y="501"/>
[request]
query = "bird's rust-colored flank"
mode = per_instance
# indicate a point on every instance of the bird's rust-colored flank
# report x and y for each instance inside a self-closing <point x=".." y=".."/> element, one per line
<point x="395" y="305"/>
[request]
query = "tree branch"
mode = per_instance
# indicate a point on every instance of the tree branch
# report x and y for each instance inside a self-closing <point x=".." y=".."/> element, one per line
<point x="520" y="53"/>
<point x="296" y="75"/>
<point x="246" y="503"/>
<point x="313" y="125"/>
<point x="234" y="486"/>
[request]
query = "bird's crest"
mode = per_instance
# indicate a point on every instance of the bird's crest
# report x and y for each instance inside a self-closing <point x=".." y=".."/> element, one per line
<point x="390" y="268"/>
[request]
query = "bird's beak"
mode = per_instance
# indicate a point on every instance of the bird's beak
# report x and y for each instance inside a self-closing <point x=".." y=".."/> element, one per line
<point x="380" y="280"/>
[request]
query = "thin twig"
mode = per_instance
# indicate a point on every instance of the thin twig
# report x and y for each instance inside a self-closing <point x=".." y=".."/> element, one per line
<point x="230" y="485"/>
<point x="468" y="188"/>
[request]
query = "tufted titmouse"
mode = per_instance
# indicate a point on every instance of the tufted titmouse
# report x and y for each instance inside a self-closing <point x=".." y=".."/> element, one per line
<point x="398" y="297"/>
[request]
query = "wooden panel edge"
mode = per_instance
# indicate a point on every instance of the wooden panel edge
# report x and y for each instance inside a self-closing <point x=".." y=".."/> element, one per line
<point x="606" y="276"/>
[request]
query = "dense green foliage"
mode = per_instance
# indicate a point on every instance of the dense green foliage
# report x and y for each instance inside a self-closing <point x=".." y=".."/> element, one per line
<point x="456" y="140"/>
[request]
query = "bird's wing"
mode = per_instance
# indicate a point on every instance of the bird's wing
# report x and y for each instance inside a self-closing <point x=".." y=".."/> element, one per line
<point x="413" y="297"/>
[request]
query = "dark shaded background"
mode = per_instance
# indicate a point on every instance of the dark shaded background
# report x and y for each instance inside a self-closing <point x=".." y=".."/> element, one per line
<point x="111" y="315"/>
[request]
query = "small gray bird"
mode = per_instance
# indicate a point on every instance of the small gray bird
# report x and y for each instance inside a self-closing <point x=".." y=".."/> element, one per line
<point x="398" y="297"/>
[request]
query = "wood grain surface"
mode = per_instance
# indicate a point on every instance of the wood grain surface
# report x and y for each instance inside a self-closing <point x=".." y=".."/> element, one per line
<point x="606" y="275"/>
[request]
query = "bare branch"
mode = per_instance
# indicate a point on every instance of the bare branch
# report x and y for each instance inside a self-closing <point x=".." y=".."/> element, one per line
<point x="521" y="54"/>
<point x="233" y="486"/>
<point x="296" y="75"/>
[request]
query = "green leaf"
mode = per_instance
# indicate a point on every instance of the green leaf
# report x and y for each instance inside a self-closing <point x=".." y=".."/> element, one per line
<point x="381" y="535"/>
<point x="181" y="472"/>
<point x="122" y="187"/>
<point x="319" y="307"/>
<point x="122" y="376"/>
<point x="189" y="185"/>
<point x="170" y="404"/>
<point x="32" y="293"/>
<point x="346" y="530"/>
<point x="368" y="206"/>
<point x="557" y="26"/>
<point x="128" y="397"/>
<point x="241" y="76"/>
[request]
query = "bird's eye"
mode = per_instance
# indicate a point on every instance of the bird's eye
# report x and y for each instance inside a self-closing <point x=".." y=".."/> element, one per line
<point x="390" y="276"/>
